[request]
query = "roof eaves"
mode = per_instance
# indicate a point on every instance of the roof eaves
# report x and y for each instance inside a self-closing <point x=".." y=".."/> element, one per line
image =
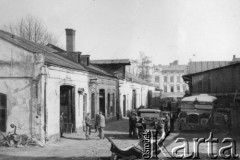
<point x="192" y="74"/>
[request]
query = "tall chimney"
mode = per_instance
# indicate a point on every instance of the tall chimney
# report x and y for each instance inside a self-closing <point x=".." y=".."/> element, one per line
<point x="70" y="39"/>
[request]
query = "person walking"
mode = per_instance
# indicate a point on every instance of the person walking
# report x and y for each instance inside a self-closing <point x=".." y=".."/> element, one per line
<point x="88" y="126"/>
<point x="61" y="124"/>
<point x="101" y="125"/>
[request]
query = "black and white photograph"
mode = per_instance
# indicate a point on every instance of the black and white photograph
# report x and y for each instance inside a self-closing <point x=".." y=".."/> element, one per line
<point x="119" y="79"/>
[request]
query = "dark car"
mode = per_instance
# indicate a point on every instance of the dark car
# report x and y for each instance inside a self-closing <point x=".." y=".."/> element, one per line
<point x="152" y="119"/>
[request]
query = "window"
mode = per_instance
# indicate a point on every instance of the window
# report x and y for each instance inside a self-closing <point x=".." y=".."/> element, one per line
<point x="165" y="78"/>
<point x="178" y="79"/>
<point x="3" y="112"/>
<point x="172" y="88"/>
<point x="165" y="88"/>
<point x="172" y="79"/>
<point x="156" y="78"/>
<point x="93" y="105"/>
<point x="178" y="88"/>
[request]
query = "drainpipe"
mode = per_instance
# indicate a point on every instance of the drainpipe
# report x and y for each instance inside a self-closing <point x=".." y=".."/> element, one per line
<point x="44" y="73"/>
<point x="45" y="108"/>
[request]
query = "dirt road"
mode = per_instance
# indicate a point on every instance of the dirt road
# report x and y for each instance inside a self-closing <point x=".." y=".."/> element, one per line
<point x="74" y="146"/>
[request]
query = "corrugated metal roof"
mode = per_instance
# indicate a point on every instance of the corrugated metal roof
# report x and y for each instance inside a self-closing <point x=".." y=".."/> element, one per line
<point x="201" y="66"/>
<point x="197" y="73"/>
<point x="112" y="61"/>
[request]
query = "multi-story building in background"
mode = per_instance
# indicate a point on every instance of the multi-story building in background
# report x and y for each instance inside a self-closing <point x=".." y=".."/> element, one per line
<point x="169" y="78"/>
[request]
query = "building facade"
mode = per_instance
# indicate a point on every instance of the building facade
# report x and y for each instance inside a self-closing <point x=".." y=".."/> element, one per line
<point x="38" y="83"/>
<point x="169" y="78"/>
<point x="133" y="91"/>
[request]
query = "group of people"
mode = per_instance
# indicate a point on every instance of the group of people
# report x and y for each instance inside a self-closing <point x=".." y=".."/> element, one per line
<point x="134" y="119"/>
<point x="99" y="125"/>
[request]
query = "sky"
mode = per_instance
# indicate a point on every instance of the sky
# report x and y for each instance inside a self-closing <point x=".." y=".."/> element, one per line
<point x="165" y="30"/>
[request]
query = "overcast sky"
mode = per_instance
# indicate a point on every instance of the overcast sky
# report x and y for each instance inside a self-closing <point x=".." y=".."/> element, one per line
<point x="166" y="30"/>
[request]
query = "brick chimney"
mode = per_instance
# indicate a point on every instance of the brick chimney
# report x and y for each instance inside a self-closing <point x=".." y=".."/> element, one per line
<point x="234" y="58"/>
<point x="70" y="40"/>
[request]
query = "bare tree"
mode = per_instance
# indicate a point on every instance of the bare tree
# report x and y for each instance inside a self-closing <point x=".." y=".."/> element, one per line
<point x="31" y="28"/>
<point x="144" y="67"/>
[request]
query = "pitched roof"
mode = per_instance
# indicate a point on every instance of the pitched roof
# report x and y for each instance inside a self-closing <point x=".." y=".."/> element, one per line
<point x="187" y="76"/>
<point x="55" y="48"/>
<point x="200" y="66"/>
<point x="50" y="57"/>
<point x="112" y="61"/>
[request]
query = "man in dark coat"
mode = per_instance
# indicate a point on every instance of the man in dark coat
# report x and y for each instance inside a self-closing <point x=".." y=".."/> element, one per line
<point x="61" y="124"/>
<point x="132" y="123"/>
<point x="88" y="125"/>
<point x="101" y="125"/>
<point x="97" y="122"/>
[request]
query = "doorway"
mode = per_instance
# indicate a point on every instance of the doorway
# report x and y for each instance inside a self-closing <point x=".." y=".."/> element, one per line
<point x="124" y="105"/>
<point x="67" y="106"/>
<point x="102" y="101"/>
<point x="134" y="99"/>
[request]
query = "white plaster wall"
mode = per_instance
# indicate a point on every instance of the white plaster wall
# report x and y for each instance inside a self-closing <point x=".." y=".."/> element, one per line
<point x="19" y="102"/>
<point x="109" y="85"/>
<point x="56" y="77"/>
<point x="127" y="87"/>
<point x="16" y="81"/>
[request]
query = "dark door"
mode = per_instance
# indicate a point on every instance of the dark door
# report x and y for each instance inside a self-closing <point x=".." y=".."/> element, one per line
<point x="3" y="111"/>
<point x="134" y="99"/>
<point x="67" y="106"/>
<point x="124" y="105"/>
<point x="93" y="106"/>
<point x="102" y="101"/>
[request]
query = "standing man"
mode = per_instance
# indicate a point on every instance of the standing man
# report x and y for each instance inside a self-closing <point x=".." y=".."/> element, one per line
<point x="97" y="122"/>
<point x="61" y="124"/>
<point x="134" y="121"/>
<point x="88" y="126"/>
<point x="130" y="123"/>
<point x="101" y="126"/>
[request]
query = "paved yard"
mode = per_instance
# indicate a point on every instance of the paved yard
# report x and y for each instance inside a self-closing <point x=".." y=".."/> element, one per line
<point x="74" y="146"/>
